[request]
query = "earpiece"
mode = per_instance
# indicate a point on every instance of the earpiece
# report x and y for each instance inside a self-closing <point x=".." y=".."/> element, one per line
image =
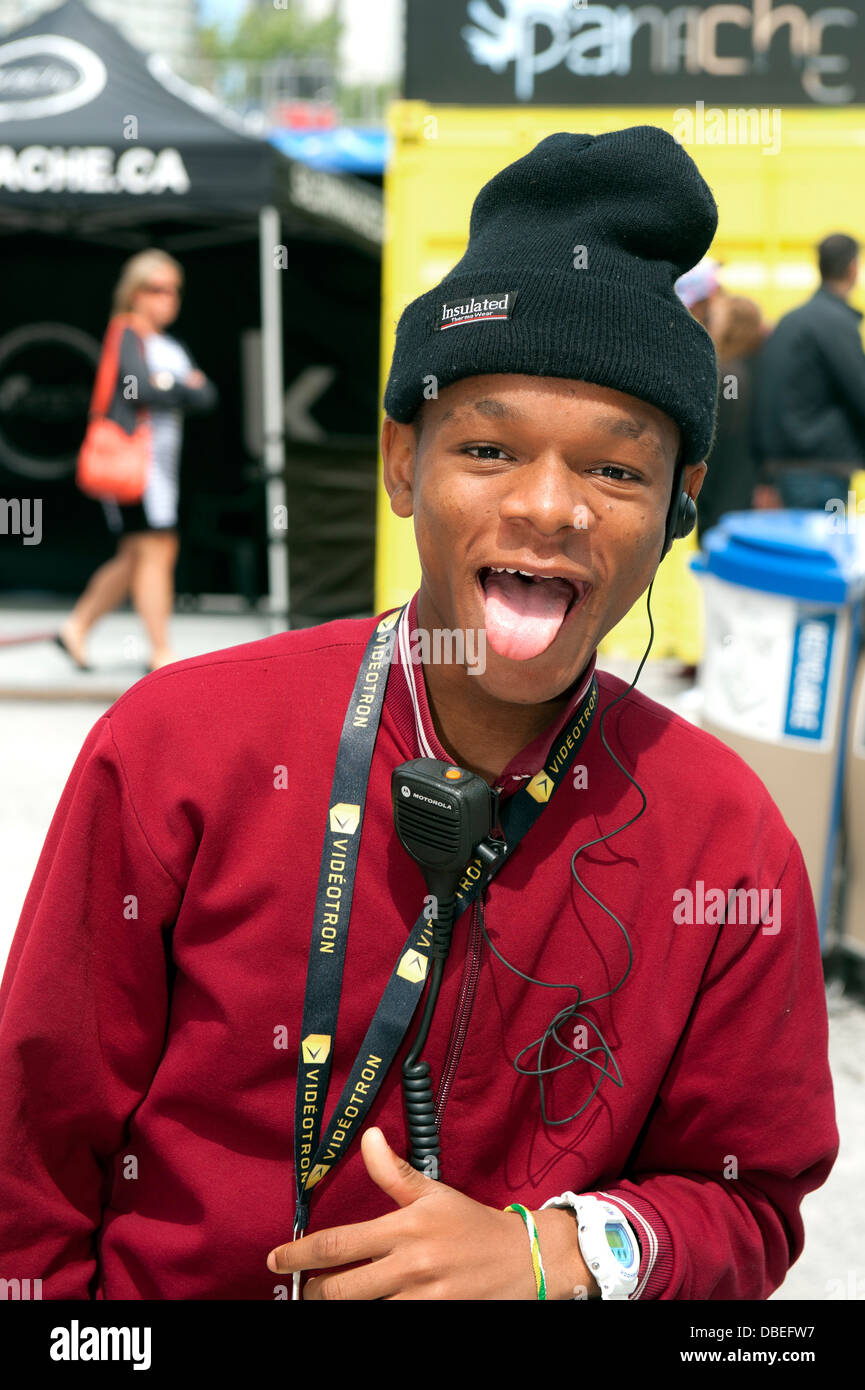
<point x="686" y="518"/>
<point x="680" y="522"/>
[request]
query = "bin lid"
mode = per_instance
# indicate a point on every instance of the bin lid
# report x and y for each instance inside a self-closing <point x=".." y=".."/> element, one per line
<point x="804" y="554"/>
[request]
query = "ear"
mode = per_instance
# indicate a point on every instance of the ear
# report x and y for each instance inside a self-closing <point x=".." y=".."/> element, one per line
<point x="398" y="451"/>
<point x="693" y="478"/>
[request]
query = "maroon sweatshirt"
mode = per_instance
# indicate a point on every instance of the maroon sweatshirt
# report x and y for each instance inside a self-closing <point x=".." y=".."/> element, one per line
<point x="146" y="1089"/>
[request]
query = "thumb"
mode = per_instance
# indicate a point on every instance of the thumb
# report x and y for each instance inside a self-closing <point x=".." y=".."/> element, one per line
<point x="394" y="1175"/>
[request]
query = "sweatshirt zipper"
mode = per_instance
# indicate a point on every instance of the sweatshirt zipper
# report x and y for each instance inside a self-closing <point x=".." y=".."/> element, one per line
<point x="465" y="1000"/>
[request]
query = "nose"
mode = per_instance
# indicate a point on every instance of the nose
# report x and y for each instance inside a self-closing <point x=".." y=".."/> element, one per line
<point x="548" y="495"/>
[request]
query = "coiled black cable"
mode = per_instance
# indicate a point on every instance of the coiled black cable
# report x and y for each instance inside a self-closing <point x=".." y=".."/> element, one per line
<point x="424" y="1149"/>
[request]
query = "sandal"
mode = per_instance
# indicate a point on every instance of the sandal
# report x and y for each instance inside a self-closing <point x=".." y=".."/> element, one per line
<point x="79" y="665"/>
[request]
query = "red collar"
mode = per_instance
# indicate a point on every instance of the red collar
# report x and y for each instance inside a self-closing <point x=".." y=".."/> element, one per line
<point x="408" y="704"/>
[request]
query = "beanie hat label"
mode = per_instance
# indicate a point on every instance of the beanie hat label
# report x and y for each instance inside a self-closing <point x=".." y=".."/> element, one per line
<point x="635" y="205"/>
<point x="476" y="309"/>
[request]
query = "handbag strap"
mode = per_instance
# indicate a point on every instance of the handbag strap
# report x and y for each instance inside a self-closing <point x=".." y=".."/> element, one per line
<point x="109" y="365"/>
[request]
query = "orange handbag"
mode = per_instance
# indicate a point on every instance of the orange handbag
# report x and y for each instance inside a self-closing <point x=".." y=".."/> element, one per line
<point x="112" y="464"/>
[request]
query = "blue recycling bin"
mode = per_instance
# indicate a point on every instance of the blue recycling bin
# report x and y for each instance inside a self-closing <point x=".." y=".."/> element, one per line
<point x="783" y="603"/>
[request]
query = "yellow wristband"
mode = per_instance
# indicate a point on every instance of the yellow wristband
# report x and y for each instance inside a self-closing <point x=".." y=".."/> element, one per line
<point x="534" y="1243"/>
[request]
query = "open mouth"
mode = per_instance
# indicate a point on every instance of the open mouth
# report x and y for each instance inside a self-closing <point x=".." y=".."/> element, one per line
<point x="524" y="609"/>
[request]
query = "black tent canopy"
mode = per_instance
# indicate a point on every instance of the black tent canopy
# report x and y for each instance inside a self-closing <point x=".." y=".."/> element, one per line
<point x="103" y="143"/>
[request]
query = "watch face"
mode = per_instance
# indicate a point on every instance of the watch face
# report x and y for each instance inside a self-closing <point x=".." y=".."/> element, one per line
<point x="618" y="1242"/>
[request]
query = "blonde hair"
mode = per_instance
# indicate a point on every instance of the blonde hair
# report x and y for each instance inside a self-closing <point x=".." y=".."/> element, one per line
<point x="136" y="272"/>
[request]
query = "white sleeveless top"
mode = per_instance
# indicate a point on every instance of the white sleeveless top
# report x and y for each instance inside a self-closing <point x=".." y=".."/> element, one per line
<point x="164" y="354"/>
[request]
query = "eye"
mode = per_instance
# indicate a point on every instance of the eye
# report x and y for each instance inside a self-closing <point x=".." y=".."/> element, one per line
<point x="484" y="451"/>
<point x="609" y="468"/>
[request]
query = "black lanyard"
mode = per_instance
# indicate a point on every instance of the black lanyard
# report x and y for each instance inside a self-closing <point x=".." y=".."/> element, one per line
<point x="314" y="1157"/>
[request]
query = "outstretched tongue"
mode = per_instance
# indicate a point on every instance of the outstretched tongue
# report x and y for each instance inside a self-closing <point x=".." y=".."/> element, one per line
<point x="522" y="616"/>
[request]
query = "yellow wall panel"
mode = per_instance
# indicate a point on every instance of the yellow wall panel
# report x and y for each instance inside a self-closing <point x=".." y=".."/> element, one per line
<point x="773" y="209"/>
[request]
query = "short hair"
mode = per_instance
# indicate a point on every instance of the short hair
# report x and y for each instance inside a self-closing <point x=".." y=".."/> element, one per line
<point x="137" y="271"/>
<point x="836" y="254"/>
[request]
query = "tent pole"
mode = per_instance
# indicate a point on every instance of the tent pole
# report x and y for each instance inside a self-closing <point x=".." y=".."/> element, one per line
<point x="279" y="606"/>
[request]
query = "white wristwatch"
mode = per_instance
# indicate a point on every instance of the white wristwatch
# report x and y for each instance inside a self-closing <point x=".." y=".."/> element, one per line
<point x="607" y="1241"/>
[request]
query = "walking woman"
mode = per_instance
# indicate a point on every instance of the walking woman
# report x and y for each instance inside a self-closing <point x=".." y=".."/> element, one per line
<point x="155" y="374"/>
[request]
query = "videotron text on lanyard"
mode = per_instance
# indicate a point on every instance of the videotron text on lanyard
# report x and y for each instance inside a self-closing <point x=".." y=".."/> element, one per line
<point x="315" y="1156"/>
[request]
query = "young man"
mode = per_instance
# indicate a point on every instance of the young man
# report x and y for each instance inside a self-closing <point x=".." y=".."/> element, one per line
<point x="178" y="1103"/>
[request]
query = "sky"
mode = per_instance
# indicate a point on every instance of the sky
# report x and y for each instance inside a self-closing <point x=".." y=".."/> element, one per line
<point x="369" y="51"/>
<point x="222" y="12"/>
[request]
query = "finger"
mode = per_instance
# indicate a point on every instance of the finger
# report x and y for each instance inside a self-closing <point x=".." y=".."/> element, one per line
<point x="393" y="1174"/>
<point x="338" y="1245"/>
<point x="364" y="1284"/>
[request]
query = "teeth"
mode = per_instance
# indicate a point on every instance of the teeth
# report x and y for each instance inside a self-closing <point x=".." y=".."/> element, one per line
<point x="501" y="569"/>
<point x="527" y="574"/>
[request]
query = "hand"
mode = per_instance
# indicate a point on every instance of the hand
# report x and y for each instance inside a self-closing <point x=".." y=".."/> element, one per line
<point x="440" y="1244"/>
<point x="195" y="378"/>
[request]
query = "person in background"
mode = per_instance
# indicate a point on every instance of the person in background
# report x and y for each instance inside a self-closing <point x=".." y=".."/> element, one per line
<point x="738" y="331"/>
<point x="810" y="404"/>
<point x="168" y="384"/>
<point x="699" y="289"/>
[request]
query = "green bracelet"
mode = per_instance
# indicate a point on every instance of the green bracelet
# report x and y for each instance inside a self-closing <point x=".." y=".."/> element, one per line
<point x="537" y="1263"/>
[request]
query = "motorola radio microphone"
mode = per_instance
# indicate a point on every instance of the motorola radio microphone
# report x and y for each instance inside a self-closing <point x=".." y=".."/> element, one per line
<point x="443" y="817"/>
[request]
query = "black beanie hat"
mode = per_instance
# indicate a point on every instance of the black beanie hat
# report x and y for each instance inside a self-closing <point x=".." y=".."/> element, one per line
<point x="525" y="298"/>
